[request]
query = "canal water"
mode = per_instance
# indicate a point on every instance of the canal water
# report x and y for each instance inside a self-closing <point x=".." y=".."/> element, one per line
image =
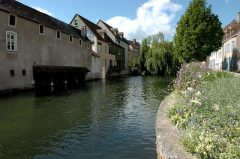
<point x="103" y="120"/>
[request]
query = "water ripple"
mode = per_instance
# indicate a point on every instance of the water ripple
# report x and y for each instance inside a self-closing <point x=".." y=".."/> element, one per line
<point x="109" y="119"/>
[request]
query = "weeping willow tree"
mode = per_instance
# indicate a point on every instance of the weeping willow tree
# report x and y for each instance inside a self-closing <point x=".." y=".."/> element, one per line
<point x="159" y="57"/>
<point x="143" y="52"/>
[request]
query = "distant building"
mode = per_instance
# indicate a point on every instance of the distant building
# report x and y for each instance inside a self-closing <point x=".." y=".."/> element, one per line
<point x="134" y="51"/>
<point x="102" y="59"/>
<point x="33" y="44"/>
<point x="119" y="40"/>
<point x="216" y="59"/>
<point x="228" y="56"/>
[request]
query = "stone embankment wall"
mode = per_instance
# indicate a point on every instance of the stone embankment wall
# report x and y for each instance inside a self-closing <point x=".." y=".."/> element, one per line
<point x="167" y="141"/>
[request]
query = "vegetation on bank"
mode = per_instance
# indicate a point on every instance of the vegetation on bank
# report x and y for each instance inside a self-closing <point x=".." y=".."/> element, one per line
<point x="207" y="111"/>
<point x="208" y="104"/>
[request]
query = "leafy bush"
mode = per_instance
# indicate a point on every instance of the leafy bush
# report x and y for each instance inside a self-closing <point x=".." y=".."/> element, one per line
<point x="190" y="75"/>
<point x="207" y="113"/>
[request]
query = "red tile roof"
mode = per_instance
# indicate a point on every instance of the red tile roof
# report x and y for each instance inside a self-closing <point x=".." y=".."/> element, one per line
<point x="231" y="29"/>
<point x="135" y="45"/>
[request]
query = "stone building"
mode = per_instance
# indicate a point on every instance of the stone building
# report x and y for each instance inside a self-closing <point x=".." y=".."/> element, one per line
<point x="33" y="41"/>
<point x="134" y="51"/>
<point x="228" y="56"/>
<point x="119" y="40"/>
<point x="100" y="44"/>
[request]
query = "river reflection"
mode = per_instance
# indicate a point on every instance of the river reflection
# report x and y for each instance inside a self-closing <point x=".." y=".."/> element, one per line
<point x="103" y="120"/>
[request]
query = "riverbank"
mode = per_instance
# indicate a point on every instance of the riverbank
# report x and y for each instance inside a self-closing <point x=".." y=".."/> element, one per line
<point x="167" y="135"/>
<point x="205" y="112"/>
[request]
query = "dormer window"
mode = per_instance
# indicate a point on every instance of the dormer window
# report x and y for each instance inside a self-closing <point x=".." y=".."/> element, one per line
<point x="89" y="45"/>
<point x="70" y="38"/>
<point x="118" y="41"/>
<point x="12" y="20"/>
<point x="58" y="34"/>
<point x="41" y="29"/>
<point x="75" y="23"/>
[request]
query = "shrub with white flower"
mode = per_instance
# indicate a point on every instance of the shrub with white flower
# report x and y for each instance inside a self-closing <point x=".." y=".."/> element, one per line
<point x="206" y="112"/>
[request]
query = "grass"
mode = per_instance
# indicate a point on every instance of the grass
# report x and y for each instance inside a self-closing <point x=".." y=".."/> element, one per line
<point x="208" y="116"/>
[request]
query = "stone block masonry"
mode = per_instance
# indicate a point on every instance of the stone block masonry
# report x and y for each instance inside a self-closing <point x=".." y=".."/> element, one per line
<point x="167" y="141"/>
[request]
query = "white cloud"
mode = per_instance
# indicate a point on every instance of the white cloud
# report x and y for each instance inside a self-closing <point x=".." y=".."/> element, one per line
<point x="43" y="11"/>
<point x="152" y="17"/>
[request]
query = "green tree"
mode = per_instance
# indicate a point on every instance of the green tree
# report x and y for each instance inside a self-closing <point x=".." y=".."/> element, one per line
<point x="198" y="33"/>
<point x="133" y="61"/>
<point x="157" y="56"/>
<point x="156" y="38"/>
<point x="146" y="44"/>
<point x="143" y="51"/>
<point x="160" y="58"/>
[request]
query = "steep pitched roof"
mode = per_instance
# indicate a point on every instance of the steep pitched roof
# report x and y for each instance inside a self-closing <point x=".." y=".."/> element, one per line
<point x="109" y="40"/>
<point x="134" y="45"/>
<point x="117" y="35"/>
<point x="108" y="26"/>
<point x="125" y="40"/>
<point x="231" y="29"/>
<point x="26" y="12"/>
<point x="93" y="27"/>
<point x="233" y="25"/>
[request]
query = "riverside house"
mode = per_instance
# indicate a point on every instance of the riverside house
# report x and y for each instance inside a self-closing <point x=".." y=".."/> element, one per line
<point x="134" y="49"/>
<point x="119" y="40"/>
<point x="100" y="45"/>
<point x="35" y="48"/>
<point x="228" y="56"/>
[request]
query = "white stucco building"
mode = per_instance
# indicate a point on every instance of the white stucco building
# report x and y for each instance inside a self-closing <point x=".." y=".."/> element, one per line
<point x="118" y="38"/>
<point x="228" y="56"/>
<point x="101" y="58"/>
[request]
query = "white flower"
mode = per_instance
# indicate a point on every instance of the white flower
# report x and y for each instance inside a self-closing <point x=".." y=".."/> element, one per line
<point x="196" y="102"/>
<point x="184" y="92"/>
<point x="198" y="93"/>
<point x="190" y="89"/>
<point x="216" y="107"/>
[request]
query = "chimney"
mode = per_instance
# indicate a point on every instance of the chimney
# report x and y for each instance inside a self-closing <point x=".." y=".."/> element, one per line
<point x="121" y="34"/>
<point x="102" y="32"/>
<point x="134" y="41"/>
<point x="238" y="17"/>
<point x="115" y="30"/>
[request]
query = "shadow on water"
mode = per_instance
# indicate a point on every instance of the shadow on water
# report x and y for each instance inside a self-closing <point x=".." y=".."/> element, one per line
<point x="58" y="90"/>
<point x="103" y="119"/>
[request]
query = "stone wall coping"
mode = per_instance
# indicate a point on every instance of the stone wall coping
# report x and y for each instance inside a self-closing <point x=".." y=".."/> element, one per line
<point x="167" y="135"/>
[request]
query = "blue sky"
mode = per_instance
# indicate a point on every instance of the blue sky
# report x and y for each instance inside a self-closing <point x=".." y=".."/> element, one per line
<point x="136" y="18"/>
